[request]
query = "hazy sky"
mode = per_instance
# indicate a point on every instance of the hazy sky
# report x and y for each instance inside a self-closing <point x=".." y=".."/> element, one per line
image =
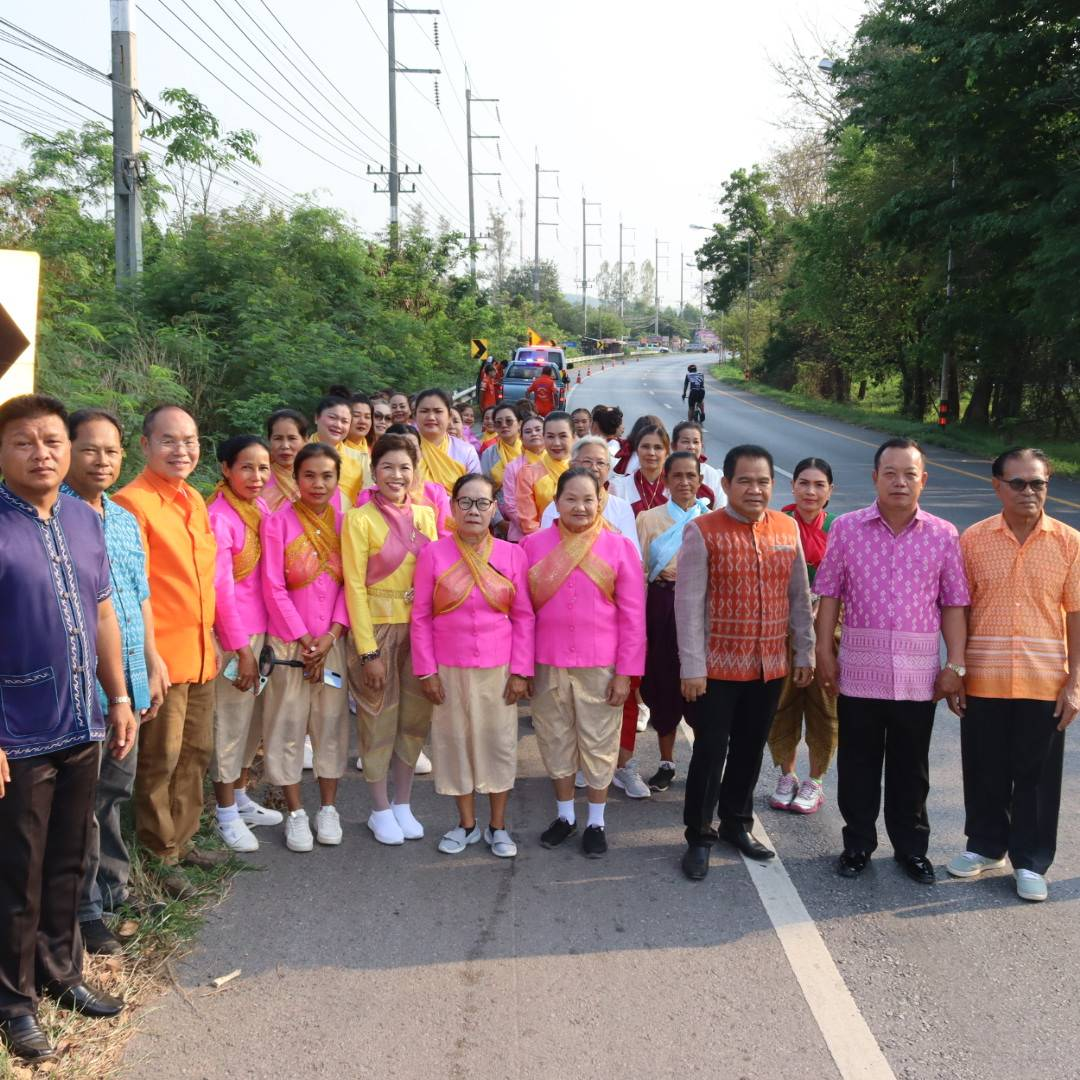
<point x="643" y="107"/>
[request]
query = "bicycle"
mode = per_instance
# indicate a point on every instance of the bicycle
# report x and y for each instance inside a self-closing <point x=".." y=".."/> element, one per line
<point x="696" y="409"/>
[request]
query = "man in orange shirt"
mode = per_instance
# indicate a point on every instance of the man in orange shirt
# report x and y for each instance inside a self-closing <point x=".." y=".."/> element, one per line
<point x="1023" y="675"/>
<point x="543" y="391"/>
<point x="174" y="747"/>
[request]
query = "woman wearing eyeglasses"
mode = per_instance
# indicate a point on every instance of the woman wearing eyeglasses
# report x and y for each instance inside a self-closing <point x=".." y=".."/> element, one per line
<point x="472" y="650"/>
<point x="307" y="618"/>
<point x="380" y="542"/>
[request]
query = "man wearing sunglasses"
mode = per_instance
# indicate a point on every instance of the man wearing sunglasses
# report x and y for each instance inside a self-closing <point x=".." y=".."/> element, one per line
<point x="1023" y="675"/>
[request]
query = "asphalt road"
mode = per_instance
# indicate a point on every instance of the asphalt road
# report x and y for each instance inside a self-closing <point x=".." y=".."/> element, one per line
<point x="365" y="961"/>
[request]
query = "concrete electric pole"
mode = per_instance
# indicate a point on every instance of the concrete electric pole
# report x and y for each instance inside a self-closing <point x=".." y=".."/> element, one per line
<point x="585" y="245"/>
<point x="469" y="136"/>
<point x="393" y="176"/>
<point x="126" y="199"/>
<point x="538" y="223"/>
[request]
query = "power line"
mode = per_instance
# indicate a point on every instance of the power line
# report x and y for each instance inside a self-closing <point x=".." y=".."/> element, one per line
<point x="244" y="101"/>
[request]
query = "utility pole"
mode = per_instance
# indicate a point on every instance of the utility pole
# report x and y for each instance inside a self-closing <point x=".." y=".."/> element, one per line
<point x="552" y="224"/>
<point x="746" y="332"/>
<point x="585" y="245"/>
<point x="469" y="136"/>
<point x="126" y="179"/>
<point x="393" y="176"/>
<point x="521" y="231"/>
<point x="682" y="271"/>
<point x="656" y="287"/>
<point x="622" y="289"/>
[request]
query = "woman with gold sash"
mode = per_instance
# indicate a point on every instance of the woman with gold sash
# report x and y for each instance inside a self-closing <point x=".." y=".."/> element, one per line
<point x="472" y="650"/>
<point x="589" y="596"/>
<point x="443" y="457"/>
<point x="236" y="511"/>
<point x="536" y="483"/>
<point x="286" y="431"/>
<point x="359" y="440"/>
<point x="532" y="450"/>
<point x="333" y="421"/>
<point x="307" y="620"/>
<point x="380" y="542"/>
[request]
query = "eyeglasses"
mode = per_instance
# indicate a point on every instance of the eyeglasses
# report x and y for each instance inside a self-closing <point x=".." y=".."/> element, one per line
<point x="381" y="416"/>
<point x="1019" y="484"/>
<point x="480" y="504"/>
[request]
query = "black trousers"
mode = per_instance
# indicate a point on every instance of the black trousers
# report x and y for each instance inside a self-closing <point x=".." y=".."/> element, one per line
<point x="1012" y="754"/>
<point x="731" y="723"/>
<point x="44" y="832"/>
<point x="896" y="734"/>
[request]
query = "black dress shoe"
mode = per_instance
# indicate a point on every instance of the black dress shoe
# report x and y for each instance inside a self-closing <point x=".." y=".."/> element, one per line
<point x="558" y="831"/>
<point x="852" y="863"/>
<point x="695" y="862"/>
<point x="917" y="867"/>
<point x="594" y="841"/>
<point x="750" y="847"/>
<point x="85" y="999"/>
<point x="23" y="1037"/>
<point x="99" y="939"/>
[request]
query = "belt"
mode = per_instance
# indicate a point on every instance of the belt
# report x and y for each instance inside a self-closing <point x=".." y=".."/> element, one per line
<point x="393" y="594"/>
<point x="662" y="583"/>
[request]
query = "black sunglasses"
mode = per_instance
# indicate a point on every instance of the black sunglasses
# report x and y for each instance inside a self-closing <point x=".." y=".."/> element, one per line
<point x="1018" y="484"/>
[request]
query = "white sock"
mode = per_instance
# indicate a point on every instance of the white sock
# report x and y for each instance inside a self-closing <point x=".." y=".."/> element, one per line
<point x="226" y="814"/>
<point x="669" y="764"/>
<point x="566" y="810"/>
<point x="596" y="814"/>
<point x="328" y="806"/>
<point x="243" y="799"/>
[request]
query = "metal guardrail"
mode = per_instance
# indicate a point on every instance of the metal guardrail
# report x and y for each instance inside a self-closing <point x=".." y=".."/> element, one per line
<point x="469" y="392"/>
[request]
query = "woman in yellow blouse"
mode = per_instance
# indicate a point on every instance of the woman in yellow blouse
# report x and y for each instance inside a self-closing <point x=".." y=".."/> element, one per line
<point x="379" y="544"/>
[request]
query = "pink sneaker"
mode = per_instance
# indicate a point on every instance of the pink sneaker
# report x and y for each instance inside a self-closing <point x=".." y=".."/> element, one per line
<point x="786" y="789"/>
<point x="810" y="798"/>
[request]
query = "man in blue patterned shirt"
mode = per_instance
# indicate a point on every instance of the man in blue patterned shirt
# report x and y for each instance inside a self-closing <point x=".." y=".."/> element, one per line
<point x="60" y="633"/>
<point x="97" y="452"/>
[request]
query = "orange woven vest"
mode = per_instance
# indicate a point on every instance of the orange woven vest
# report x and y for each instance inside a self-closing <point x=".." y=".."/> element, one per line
<point x="749" y="574"/>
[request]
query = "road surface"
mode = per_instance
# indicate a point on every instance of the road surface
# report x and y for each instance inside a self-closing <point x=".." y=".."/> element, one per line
<point x="367" y="961"/>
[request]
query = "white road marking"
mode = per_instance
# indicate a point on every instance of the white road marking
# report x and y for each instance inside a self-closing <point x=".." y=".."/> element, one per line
<point x="847" y="1035"/>
<point x="783" y="472"/>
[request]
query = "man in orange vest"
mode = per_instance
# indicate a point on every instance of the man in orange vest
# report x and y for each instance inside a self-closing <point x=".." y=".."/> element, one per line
<point x="742" y="588"/>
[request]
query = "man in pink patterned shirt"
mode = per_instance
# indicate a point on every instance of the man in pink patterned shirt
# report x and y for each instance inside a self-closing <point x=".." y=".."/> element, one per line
<point x="899" y="575"/>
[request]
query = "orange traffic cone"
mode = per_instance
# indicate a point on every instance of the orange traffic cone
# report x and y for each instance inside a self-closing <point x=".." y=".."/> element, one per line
<point x="579" y="377"/>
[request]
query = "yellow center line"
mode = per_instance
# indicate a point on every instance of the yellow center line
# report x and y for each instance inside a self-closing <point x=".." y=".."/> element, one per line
<point x="866" y="442"/>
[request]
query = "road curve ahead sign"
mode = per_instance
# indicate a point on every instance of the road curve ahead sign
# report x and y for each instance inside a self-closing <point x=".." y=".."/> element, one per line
<point x="19" y="273"/>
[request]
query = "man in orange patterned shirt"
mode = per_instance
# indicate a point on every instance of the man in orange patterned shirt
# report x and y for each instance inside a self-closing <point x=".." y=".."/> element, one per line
<point x="1023" y="675"/>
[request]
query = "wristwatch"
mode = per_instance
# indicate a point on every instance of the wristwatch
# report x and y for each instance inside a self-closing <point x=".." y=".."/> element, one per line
<point x="122" y="700"/>
<point x="957" y="669"/>
<point x="369" y="656"/>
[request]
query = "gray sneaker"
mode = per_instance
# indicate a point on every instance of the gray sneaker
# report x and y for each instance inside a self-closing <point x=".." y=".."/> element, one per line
<point x="457" y="840"/>
<point x="500" y="842"/>
<point x="628" y="779"/>
<point x="1030" y="886"/>
<point x="971" y="864"/>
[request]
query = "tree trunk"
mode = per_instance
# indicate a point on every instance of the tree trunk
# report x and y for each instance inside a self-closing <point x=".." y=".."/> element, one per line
<point x="862" y="389"/>
<point x="978" y="410"/>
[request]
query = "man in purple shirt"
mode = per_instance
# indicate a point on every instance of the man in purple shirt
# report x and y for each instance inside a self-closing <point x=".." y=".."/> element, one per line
<point x="61" y="630"/>
<point x="899" y="575"/>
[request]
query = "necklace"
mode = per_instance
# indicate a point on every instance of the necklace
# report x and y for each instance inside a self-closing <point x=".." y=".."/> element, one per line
<point x="651" y="492"/>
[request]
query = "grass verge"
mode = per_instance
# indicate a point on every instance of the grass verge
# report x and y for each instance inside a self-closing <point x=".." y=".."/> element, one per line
<point x="981" y="442"/>
<point x="160" y="929"/>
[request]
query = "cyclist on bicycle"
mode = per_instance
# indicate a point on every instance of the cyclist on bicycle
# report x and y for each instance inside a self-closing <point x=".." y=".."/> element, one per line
<point x="694" y="384"/>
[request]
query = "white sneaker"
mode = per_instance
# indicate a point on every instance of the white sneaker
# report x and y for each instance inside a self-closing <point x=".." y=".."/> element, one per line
<point x="500" y="842"/>
<point x="787" y="787"/>
<point x="579" y="780"/>
<point x="629" y="780"/>
<point x="971" y="864"/>
<point x="457" y="840"/>
<point x="237" y="835"/>
<point x="1031" y="886"/>
<point x="810" y="799"/>
<point x="423" y="765"/>
<point x="254" y="815"/>
<point x="328" y="826"/>
<point x="642" y="716"/>
<point x="359" y="764"/>
<point x="411" y="828"/>
<point x="385" y="827"/>
<point x="298" y="832"/>
<point x="309" y="754"/>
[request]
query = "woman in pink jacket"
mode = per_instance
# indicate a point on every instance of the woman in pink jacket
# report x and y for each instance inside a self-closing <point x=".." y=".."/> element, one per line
<point x="472" y="650"/>
<point x="589" y="597"/>
<point x="307" y="619"/>
<point x="236" y="512"/>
